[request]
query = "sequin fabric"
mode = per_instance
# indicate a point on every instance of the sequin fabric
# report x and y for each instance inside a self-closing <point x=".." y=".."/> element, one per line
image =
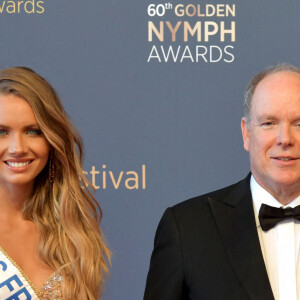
<point x="51" y="290"/>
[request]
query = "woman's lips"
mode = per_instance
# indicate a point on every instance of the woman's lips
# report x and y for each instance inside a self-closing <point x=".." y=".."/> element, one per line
<point x="18" y="164"/>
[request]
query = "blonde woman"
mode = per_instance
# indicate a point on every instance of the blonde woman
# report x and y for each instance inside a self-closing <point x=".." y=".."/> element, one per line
<point x="51" y="246"/>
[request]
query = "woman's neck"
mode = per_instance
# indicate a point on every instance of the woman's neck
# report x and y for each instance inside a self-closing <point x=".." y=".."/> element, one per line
<point x="12" y="200"/>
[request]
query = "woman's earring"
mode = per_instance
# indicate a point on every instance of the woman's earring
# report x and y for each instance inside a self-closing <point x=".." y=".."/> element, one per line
<point x="51" y="169"/>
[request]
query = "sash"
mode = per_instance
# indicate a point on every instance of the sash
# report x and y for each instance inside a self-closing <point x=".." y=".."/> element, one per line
<point x="14" y="284"/>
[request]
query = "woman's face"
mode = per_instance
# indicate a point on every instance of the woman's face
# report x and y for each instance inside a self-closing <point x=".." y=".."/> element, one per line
<point x="24" y="150"/>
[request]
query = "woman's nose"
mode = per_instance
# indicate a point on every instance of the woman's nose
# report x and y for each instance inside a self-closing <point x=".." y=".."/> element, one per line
<point x="17" y="145"/>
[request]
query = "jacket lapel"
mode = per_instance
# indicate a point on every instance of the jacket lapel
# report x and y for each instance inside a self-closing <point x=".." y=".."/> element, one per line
<point x="234" y="217"/>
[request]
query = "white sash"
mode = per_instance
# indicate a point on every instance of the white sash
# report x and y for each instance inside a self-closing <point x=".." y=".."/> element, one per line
<point x="13" y="284"/>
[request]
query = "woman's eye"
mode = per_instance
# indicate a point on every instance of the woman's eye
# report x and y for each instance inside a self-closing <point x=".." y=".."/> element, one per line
<point x="34" y="132"/>
<point x="3" y="132"/>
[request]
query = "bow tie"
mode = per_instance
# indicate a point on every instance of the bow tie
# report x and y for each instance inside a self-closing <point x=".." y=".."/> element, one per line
<point x="269" y="216"/>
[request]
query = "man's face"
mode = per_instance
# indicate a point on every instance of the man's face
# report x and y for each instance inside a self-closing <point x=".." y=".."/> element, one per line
<point x="272" y="136"/>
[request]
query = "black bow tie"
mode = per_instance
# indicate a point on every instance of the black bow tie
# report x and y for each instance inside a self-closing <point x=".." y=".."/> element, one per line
<point x="269" y="216"/>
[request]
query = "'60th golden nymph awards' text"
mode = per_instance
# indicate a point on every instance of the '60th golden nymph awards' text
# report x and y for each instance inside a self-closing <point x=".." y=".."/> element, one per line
<point x="191" y="33"/>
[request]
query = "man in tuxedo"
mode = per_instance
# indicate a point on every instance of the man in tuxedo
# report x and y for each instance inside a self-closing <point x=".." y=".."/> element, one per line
<point x="241" y="242"/>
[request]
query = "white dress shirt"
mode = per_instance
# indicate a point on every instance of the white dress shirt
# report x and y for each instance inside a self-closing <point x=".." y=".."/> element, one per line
<point x="280" y="247"/>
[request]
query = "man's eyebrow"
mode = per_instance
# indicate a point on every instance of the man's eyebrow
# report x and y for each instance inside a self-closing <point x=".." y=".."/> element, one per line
<point x="273" y="117"/>
<point x="266" y="116"/>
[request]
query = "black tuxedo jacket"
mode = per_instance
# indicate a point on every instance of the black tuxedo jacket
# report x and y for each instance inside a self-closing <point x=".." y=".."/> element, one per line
<point x="207" y="248"/>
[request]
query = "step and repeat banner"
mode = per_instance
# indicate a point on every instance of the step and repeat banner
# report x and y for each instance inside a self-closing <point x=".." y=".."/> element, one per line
<point x="156" y="90"/>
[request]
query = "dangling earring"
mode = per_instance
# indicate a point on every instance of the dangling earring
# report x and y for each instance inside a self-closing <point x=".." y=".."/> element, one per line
<point x="51" y="169"/>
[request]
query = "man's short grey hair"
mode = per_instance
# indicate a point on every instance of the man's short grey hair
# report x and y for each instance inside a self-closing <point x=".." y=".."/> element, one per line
<point x="257" y="79"/>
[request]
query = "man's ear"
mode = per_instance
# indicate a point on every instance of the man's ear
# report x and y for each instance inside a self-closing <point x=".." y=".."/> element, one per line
<point x="245" y="133"/>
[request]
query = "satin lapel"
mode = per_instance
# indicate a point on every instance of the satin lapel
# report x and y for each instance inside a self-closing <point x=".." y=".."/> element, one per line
<point x="234" y="217"/>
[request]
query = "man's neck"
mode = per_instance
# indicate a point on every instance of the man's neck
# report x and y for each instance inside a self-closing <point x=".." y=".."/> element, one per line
<point x="284" y="194"/>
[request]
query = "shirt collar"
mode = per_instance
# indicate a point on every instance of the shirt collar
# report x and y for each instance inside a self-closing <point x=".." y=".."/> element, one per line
<point x="261" y="196"/>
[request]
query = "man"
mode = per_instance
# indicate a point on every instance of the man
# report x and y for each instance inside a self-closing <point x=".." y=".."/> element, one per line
<point x="232" y="244"/>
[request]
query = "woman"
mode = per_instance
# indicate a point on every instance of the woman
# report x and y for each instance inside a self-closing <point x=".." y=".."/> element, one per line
<point x="51" y="244"/>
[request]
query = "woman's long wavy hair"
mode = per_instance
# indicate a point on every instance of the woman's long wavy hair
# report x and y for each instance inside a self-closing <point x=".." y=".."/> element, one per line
<point x="66" y="214"/>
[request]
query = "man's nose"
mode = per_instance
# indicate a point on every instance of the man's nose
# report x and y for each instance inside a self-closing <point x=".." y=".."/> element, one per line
<point x="285" y="136"/>
<point x="17" y="145"/>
